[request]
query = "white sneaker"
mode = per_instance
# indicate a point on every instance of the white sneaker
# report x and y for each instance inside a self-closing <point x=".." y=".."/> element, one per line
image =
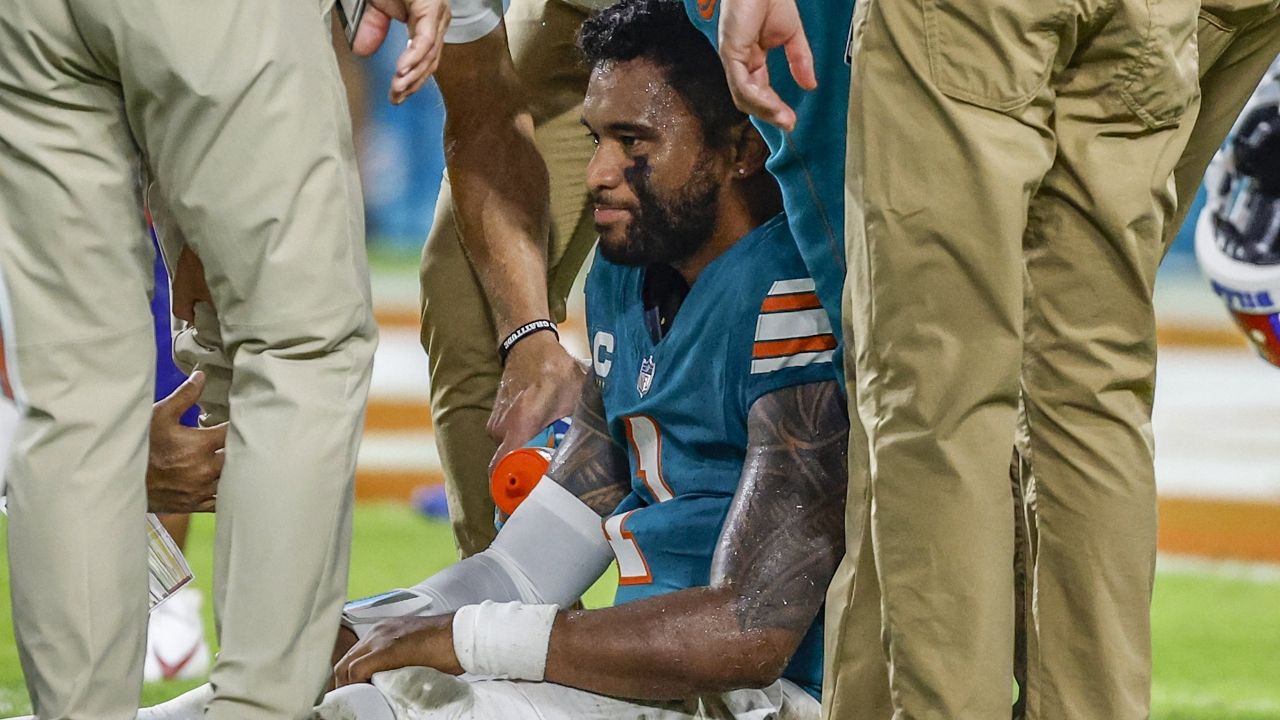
<point x="176" y="648"/>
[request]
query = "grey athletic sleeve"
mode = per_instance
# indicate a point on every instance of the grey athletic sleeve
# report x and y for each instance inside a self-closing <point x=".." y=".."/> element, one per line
<point x="472" y="19"/>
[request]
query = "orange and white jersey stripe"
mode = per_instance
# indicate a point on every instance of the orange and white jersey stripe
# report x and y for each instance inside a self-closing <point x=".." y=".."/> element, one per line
<point x="792" y="330"/>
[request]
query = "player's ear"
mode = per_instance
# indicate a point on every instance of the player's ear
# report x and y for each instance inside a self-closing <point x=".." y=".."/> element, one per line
<point x="749" y="150"/>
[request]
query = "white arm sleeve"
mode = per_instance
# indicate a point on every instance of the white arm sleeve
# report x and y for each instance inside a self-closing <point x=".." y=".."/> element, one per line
<point x="472" y="20"/>
<point x="549" y="552"/>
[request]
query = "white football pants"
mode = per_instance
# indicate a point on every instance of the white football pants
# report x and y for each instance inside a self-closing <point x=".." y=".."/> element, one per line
<point x="425" y="694"/>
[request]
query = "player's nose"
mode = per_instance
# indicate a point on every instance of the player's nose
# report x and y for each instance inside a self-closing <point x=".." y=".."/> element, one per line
<point x="604" y="172"/>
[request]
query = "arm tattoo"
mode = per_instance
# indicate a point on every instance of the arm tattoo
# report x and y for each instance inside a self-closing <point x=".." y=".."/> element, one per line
<point x="784" y="534"/>
<point x="588" y="463"/>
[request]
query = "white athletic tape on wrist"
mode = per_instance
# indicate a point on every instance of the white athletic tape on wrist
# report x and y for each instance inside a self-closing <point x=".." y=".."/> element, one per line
<point x="504" y="640"/>
<point x="517" y="566"/>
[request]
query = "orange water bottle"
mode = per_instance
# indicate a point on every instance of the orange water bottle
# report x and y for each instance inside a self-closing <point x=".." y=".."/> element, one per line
<point x="518" y="472"/>
<point x="516" y="475"/>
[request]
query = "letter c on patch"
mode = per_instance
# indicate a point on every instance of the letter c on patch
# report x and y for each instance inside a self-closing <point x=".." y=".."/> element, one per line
<point x="602" y="353"/>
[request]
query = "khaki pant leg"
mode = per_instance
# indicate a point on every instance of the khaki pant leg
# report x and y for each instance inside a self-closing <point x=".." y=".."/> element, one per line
<point x="457" y="333"/>
<point x="242" y="115"/>
<point x="457" y="327"/>
<point x="1092" y="247"/>
<point x="79" y="357"/>
<point x="1238" y="41"/>
<point x="948" y="141"/>
<point x="855" y="680"/>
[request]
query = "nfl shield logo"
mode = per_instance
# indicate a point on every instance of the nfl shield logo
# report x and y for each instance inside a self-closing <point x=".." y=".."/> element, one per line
<point x="646" y="376"/>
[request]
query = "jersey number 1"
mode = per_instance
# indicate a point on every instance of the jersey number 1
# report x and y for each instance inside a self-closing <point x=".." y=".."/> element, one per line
<point x="633" y="569"/>
<point x="645" y="438"/>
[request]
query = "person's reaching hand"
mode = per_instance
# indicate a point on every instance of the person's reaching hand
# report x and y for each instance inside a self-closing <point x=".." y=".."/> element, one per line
<point x="749" y="29"/>
<point x="426" y="20"/>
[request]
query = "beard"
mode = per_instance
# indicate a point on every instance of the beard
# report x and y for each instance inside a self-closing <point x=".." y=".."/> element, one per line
<point x="666" y="230"/>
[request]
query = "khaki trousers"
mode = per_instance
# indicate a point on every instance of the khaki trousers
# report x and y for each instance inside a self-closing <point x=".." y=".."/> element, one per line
<point x="1009" y="186"/>
<point x="855" y="679"/>
<point x="457" y="327"/>
<point x="236" y="110"/>
<point x="1237" y="42"/>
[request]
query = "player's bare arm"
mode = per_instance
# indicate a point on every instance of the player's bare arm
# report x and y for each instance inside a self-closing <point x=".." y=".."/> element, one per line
<point x="777" y="553"/>
<point x="500" y="192"/>
<point x="786" y="529"/>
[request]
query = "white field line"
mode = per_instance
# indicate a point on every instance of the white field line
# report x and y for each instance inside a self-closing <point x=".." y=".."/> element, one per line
<point x="13" y="702"/>
<point x="1183" y="700"/>
<point x="1258" y="572"/>
<point x="398" y="451"/>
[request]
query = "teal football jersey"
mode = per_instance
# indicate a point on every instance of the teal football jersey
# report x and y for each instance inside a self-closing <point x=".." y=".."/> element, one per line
<point x="751" y="324"/>
<point x="808" y="162"/>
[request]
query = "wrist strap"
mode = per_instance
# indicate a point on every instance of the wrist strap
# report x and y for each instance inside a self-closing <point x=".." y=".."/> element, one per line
<point x="504" y="640"/>
<point x="522" y="332"/>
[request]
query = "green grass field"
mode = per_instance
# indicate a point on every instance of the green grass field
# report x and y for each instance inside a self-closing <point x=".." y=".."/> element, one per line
<point x="1217" y="634"/>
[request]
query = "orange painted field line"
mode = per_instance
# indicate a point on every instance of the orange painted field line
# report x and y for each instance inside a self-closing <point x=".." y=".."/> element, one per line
<point x="1199" y="337"/>
<point x="402" y="317"/>
<point x="1228" y="529"/>
<point x="398" y="316"/>
<point x="396" y="415"/>
<point x="393" y="484"/>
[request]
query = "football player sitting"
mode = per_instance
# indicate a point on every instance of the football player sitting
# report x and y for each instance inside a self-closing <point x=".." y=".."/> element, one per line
<point x="707" y="455"/>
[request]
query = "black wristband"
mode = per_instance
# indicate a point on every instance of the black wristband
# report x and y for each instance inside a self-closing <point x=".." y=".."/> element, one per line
<point x="522" y="332"/>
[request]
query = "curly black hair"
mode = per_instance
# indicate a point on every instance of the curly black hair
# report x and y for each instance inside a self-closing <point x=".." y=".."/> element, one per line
<point x="659" y="31"/>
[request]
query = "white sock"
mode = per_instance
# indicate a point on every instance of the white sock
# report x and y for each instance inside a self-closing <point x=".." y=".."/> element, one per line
<point x="187" y="706"/>
<point x="354" y="702"/>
